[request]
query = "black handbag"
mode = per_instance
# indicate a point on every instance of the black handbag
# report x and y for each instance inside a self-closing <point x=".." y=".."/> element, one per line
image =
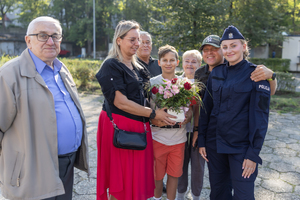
<point x="126" y="139"/>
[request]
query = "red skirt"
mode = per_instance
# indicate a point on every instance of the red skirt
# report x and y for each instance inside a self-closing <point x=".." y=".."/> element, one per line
<point x="128" y="174"/>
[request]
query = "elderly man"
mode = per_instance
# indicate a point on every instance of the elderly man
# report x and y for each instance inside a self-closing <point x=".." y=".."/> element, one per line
<point x="144" y="56"/>
<point x="42" y="126"/>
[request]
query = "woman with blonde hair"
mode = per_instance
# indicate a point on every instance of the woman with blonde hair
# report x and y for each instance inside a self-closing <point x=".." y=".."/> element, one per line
<point x="191" y="61"/>
<point x="234" y="122"/>
<point x="128" y="174"/>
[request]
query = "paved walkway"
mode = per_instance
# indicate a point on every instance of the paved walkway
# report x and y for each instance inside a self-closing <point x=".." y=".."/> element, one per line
<point x="278" y="177"/>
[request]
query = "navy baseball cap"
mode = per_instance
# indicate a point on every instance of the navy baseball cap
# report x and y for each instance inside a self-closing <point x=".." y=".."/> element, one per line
<point x="212" y="40"/>
<point x="231" y="33"/>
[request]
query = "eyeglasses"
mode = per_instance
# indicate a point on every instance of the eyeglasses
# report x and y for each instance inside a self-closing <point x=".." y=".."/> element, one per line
<point x="43" y="37"/>
<point x="133" y="40"/>
<point x="147" y="43"/>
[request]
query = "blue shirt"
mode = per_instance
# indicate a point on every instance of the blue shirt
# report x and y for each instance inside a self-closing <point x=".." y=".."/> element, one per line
<point x="236" y="110"/>
<point x="69" y="124"/>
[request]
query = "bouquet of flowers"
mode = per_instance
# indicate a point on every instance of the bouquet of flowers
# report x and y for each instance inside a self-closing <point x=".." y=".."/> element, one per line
<point x="176" y="94"/>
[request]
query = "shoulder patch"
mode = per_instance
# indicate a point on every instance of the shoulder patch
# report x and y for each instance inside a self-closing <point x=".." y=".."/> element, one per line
<point x="263" y="87"/>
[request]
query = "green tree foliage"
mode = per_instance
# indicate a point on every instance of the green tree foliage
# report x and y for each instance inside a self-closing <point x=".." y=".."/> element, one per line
<point x="5" y="7"/>
<point x="137" y="10"/>
<point x="185" y="23"/>
<point x="31" y="9"/>
<point x="258" y="20"/>
<point x="76" y="17"/>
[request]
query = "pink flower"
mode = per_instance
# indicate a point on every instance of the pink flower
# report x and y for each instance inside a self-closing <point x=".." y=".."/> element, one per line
<point x="161" y="90"/>
<point x="175" y="89"/>
<point x="154" y="90"/>
<point x="167" y="94"/>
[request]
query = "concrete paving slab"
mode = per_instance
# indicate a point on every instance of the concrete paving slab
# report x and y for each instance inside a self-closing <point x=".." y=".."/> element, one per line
<point x="278" y="177"/>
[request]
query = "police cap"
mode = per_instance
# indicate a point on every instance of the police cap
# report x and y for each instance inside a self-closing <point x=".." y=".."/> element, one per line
<point x="231" y="33"/>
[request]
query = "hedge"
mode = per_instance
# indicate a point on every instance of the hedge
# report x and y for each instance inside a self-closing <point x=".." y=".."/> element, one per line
<point x="276" y="64"/>
<point x="84" y="71"/>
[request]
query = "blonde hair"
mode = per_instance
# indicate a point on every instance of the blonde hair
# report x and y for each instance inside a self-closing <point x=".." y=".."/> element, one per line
<point x="247" y="52"/>
<point x="121" y="31"/>
<point x="194" y="53"/>
<point x="32" y="24"/>
<point x="162" y="51"/>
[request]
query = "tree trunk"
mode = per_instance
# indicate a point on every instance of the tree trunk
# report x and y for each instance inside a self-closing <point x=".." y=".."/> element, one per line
<point x="3" y="22"/>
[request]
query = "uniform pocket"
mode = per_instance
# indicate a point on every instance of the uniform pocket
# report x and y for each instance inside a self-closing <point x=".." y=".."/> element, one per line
<point x="241" y="96"/>
<point x="15" y="178"/>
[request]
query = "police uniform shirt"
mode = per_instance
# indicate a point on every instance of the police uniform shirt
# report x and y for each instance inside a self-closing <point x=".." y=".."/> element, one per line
<point x="236" y="110"/>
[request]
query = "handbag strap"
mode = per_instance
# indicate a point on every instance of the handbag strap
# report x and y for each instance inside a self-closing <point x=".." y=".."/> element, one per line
<point x="107" y="107"/>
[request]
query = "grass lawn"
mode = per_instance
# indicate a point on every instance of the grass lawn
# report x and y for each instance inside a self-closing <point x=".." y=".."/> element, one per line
<point x="284" y="102"/>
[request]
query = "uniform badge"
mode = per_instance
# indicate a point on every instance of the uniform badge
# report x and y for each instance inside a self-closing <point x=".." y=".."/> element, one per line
<point x="209" y="39"/>
<point x="230" y="35"/>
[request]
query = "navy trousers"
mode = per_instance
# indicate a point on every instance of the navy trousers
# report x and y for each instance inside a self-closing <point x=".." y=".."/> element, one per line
<point x="225" y="174"/>
<point x="66" y="174"/>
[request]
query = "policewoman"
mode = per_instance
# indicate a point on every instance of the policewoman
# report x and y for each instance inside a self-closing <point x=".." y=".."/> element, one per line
<point x="233" y="122"/>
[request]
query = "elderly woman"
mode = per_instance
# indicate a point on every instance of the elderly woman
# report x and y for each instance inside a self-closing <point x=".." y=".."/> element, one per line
<point x="233" y="125"/>
<point x="127" y="173"/>
<point x="191" y="61"/>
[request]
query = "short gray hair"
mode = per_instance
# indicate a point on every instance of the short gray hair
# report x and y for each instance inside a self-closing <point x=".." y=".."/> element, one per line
<point x="32" y="24"/>
<point x="146" y="33"/>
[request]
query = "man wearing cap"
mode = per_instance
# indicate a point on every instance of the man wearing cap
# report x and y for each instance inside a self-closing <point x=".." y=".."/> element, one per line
<point x="212" y="56"/>
<point x="233" y="122"/>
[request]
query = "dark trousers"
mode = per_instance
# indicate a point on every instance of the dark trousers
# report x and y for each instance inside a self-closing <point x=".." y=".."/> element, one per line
<point x="66" y="174"/>
<point x="197" y="169"/>
<point x="225" y="174"/>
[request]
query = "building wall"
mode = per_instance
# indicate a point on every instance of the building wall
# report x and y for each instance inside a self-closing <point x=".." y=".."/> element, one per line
<point x="12" y="48"/>
<point x="291" y="50"/>
<point x="260" y="52"/>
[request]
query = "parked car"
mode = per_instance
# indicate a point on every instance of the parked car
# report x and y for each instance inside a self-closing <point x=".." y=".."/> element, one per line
<point x="64" y="53"/>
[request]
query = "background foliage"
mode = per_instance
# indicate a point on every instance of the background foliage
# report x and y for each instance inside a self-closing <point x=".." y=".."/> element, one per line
<point x="181" y="23"/>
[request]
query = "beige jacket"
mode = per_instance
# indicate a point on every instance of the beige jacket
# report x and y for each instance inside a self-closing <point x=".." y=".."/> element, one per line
<point x="28" y="133"/>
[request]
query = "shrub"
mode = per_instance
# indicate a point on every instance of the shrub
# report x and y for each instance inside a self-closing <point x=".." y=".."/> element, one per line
<point x="83" y="71"/>
<point x="276" y="64"/>
<point x="286" y="82"/>
<point x="4" y="58"/>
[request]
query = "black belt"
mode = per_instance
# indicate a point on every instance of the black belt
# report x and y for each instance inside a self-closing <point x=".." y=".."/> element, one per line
<point x="169" y="126"/>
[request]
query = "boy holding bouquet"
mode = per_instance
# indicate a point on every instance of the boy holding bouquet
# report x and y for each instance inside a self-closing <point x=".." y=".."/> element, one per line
<point x="168" y="141"/>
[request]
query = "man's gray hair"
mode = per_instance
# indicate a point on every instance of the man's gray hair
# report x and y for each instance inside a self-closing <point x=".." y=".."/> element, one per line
<point x="31" y="25"/>
<point x="146" y="33"/>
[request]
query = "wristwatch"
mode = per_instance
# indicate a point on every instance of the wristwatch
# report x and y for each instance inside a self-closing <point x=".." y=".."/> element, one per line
<point x="273" y="77"/>
<point x="153" y="114"/>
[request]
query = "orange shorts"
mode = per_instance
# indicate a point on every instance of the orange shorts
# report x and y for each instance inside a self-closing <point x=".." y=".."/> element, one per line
<point x="168" y="159"/>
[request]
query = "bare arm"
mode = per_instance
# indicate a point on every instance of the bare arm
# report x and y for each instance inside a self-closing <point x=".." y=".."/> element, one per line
<point x="262" y="73"/>
<point x="131" y="107"/>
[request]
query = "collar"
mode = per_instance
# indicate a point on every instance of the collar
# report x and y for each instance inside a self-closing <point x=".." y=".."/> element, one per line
<point x="40" y="65"/>
<point x="237" y="66"/>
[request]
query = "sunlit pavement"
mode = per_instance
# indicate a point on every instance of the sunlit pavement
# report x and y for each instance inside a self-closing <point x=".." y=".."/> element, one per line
<point x="278" y="177"/>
